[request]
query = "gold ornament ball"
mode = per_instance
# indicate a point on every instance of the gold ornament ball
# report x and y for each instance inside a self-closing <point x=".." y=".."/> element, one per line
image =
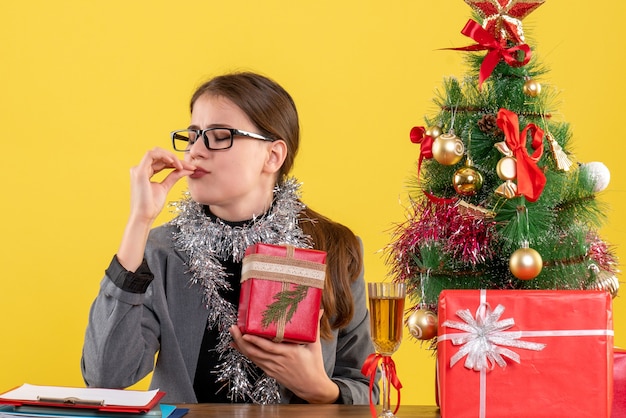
<point x="422" y="324"/>
<point x="433" y="131"/>
<point x="448" y="149"/>
<point x="525" y="263"/>
<point x="532" y="88"/>
<point x="467" y="181"/>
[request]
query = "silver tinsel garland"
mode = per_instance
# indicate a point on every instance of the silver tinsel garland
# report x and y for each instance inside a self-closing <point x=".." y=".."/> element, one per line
<point x="207" y="241"/>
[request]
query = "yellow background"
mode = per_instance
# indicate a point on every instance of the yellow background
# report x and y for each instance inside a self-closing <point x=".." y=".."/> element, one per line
<point x="87" y="86"/>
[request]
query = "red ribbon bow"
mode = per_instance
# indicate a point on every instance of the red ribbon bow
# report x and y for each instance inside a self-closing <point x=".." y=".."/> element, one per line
<point x="418" y="136"/>
<point x="530" y="178"/>
<point x="389" y="372"/>
<point x="497" y="50"/>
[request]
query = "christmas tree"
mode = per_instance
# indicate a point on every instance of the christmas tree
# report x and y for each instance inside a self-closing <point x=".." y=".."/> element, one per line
<point x="498" y="200"/>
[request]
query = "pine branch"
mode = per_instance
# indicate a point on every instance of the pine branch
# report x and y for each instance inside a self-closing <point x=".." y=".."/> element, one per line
<point x="285" y="305"/>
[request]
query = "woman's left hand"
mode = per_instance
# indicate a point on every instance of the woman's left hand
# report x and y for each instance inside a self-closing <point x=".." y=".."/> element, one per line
<point x="299" y="367"/>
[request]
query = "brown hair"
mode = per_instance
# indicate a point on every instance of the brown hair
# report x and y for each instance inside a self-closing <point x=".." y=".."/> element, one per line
<point x="343" y="265"/>
<point x="274" y="113"/>
<point x="265" y="102"/>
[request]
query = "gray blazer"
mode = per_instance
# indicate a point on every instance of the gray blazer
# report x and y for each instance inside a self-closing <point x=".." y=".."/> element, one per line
<point x="127" y="329"/>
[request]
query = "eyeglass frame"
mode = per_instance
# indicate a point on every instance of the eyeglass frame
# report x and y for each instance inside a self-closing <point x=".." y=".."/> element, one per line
<point x="202" y="133"/>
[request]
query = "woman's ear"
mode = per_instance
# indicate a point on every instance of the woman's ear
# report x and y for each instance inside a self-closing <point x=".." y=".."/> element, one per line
<point x="277" y="152"/>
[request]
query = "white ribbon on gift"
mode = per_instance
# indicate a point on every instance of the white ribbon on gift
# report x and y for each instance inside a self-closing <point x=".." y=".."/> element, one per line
<point x="484" y="337"/>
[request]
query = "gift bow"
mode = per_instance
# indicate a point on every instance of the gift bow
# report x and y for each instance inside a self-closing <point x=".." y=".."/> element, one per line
<point x="485" y="339"/>
<point x="389" y="372"/>
<point x="418" y="136"/>
<point x="530" y="178"/>
<point x="497" y="50"/>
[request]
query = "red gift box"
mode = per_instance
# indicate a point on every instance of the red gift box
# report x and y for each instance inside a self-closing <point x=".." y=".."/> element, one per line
<point x="281" y="292"/>
<point x="619" y="383"/>
<point x="525" y="353"/>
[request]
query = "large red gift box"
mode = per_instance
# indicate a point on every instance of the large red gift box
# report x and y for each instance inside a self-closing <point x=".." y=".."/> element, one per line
<point x="619" y="383"/>
<point x="525" y="353"/>
<point x="281" y="292"/>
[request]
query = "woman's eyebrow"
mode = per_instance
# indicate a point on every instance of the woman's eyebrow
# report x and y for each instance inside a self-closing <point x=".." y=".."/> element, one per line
<point x="213" y="125"/>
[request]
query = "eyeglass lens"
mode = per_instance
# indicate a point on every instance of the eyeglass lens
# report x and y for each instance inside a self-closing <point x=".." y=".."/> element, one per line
<point x="213" y="139"/>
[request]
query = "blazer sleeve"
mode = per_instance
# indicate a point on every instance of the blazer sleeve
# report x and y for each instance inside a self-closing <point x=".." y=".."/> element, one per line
<point x="122" y="335"/>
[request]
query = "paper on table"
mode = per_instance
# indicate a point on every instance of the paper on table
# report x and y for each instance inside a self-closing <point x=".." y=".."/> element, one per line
<point x="118" y="397"/>
<point x="162" y="411"/>
<point x="50" y="412"/>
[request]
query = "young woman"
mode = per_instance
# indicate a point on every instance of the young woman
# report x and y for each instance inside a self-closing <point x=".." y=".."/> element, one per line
<point x="172" y="291"/>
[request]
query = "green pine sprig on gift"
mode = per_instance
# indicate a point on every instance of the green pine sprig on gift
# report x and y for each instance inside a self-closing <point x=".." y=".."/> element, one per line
<point x="285" y="305"/>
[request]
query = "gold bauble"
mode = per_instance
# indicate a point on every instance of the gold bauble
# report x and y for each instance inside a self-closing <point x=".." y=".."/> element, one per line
<point x="433" y="131"/>
<point x="508" y="190"/>
<point x="507" y="168"/>
<point x="467" y="181"/>
<point x="531" y="88"/>
<point x="525" y="263"/>
<point x="422" y="324"/>
<point x="448" y="149"/>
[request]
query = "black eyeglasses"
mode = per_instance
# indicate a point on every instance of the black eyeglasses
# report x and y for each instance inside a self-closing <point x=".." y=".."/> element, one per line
<point x="214" y="138"/>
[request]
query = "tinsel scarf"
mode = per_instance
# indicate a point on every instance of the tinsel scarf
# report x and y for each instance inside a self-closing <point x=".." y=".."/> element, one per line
<point x="208" y="240"/>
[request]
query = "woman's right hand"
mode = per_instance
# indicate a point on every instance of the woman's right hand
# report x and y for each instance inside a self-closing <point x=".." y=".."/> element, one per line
<point x="147" y="201"/>
<point x="147" y="196"/>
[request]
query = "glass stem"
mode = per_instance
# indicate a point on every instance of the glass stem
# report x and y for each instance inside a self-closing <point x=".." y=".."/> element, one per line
<point x="386" y="395"/>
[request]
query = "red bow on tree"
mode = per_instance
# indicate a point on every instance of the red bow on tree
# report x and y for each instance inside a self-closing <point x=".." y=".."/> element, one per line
<point x="418" y="136"/>
<point x="389" y="372"/>
<point x="497" y="50"/>
<point x="530" y="178"/>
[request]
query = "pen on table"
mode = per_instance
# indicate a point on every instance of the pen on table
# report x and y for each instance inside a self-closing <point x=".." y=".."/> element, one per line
<point x="71" y="401"/>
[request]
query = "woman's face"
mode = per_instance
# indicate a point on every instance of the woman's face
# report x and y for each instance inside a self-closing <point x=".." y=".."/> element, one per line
<point x="236" y="183"/>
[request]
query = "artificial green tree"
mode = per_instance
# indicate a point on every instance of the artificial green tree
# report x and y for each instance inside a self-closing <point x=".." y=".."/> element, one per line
<point x="498" y="200"/>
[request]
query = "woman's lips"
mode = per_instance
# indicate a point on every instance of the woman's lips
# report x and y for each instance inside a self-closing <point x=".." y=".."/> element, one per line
<point x="198" y="173"/>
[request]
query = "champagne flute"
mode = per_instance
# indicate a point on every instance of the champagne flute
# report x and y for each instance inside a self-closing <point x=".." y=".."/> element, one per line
<point x="386" y="303"/>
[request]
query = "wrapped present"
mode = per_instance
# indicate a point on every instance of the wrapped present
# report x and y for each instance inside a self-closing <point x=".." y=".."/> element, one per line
<point x="619" y="383"/>
<point x="525" y="353"/>
<point x="281" y="292"/>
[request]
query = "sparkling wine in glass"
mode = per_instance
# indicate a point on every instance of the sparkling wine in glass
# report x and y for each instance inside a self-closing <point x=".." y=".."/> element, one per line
<point x="386" y="304"/>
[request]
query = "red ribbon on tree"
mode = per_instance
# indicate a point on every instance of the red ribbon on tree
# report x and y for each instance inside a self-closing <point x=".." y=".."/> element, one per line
<point x="418" y="136"/>
<point x="440" y="200"/>
<point x="530" y="178"/>
<point x="497" y="50"/>
<point x="389" y="372"/>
